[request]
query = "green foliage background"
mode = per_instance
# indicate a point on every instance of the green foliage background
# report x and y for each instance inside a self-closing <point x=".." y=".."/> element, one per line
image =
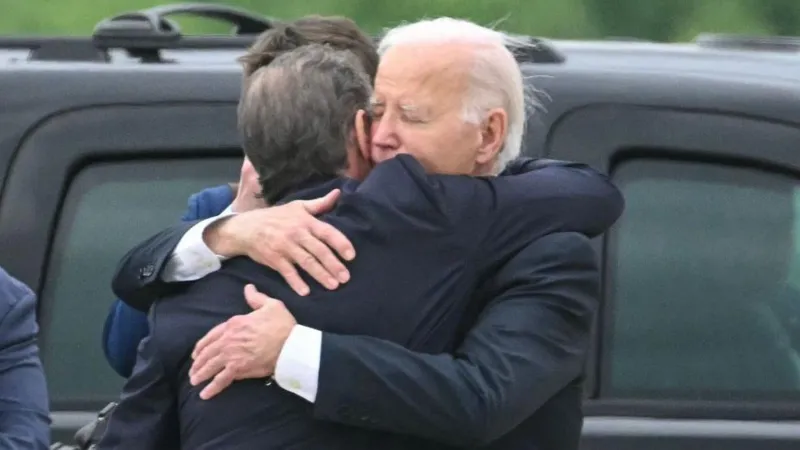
<point x="664" y="20"/>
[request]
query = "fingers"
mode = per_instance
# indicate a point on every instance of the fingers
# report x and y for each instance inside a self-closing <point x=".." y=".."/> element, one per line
<point x="204" y="368"/>
<point x="300" y="240"/>
<point x="221" y="381"/>
<point x="304" y="258"/>
<point x="334" y="239"/>
<point x="327" y="264"/>
<point x="314" y="256"/>
<point x="210" y="337"/>
<point x="254" y="298"/>
<point x="289" y="273"/>
<point x="323" y="204"/>
<point x="207" y="356"/>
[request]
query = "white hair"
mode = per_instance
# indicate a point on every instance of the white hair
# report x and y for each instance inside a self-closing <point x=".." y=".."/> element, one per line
<point x="496" y="79"/>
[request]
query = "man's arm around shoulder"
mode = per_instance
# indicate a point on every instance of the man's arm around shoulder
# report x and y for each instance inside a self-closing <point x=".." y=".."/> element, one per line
<point x="529" y="343"/>
<point x="558" y="196"/>
<point x="172" y="255"/>
<point x="24" y="409"/>
<point x="531" y="198"/>
<point x="137" y="280"/>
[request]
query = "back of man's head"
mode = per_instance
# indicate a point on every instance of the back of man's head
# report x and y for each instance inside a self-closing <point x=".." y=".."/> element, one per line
<point x="297" y="117"/>
<point x="496" y="80"/>
<point x="339" y="33"/>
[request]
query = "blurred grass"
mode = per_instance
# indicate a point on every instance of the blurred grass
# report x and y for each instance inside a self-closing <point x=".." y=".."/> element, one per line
<point x="649" y="19"/>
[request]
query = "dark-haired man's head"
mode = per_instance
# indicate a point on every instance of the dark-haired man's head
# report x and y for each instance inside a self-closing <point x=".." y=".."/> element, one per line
<point x="298" y="115"/>
<point x="339" y="33"/>
<point x="336" y="32"/>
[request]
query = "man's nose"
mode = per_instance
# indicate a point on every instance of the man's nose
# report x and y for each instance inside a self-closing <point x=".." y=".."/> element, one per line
<point x="385" y="141"/>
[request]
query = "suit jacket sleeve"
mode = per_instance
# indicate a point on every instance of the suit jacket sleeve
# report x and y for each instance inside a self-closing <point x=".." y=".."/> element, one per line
<point x="24" y="409"/>
<point x="146" y="417"/>
<point x="137" y="280"/>
<point x="532" y="199"/>
<point x="545" y="196"/>
<point x="572" y="195"/>
<point x="530" y="342"/>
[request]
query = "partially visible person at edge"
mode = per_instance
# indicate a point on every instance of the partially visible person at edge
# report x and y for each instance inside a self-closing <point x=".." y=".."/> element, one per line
<point x="514" y="380"/>
<point x="24" y="408"/>
<point x="443" y="234"/>
<point x="125" y="326"/>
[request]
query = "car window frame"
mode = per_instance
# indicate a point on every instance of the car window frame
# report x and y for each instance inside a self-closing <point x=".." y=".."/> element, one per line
<point x="604" y="135"/>
<point x="83" y="183"/>
<point x="612" y="257"/>
<point x="60" y="145"/>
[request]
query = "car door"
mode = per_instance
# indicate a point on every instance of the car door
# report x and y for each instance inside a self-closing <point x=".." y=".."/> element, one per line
<point x="699" y="334"/>
<point x="84" y="187"/>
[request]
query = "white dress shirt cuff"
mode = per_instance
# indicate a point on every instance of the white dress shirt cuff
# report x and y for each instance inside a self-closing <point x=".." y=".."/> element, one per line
<point x="192" y="259"/>
<point x="297" y="368"/>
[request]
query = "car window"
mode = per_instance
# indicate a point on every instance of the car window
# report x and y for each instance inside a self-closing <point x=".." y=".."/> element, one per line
<point x="703" y="284"/>
<point x="108" y="209"/>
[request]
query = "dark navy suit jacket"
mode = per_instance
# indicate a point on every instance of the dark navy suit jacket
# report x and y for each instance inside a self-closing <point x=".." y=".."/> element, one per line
<point x="425" y="244"/>
<point x="126" y="326"/>
<point x="24" y="409"/>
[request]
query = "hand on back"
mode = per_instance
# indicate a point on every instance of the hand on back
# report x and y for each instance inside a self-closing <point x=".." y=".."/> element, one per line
<point x="286" y="236"/>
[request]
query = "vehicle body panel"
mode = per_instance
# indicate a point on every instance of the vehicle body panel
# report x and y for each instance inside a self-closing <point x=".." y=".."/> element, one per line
<point x="608" y="103"/>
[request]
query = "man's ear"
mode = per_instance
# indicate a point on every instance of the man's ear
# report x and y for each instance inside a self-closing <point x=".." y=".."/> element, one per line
<point x="359" y="163"/>
<point x="493" y="135"/>
<point x="362" y="127"/>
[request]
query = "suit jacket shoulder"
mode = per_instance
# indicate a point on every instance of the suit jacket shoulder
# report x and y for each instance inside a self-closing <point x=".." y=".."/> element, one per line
<point x="12" y="293"/>
<point x="24" y="408"/>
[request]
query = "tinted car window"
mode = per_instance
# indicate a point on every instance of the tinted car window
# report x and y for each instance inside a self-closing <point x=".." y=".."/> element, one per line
<point x="699" y="291"/>
<point x="107" y="210"/>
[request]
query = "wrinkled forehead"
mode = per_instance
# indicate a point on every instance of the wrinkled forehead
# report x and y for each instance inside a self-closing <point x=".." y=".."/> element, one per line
<point x="423" y="74"/>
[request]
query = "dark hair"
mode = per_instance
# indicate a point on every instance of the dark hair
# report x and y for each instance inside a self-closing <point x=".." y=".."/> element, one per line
<point x="339" y="33"/>
<point x="297" y="117"/>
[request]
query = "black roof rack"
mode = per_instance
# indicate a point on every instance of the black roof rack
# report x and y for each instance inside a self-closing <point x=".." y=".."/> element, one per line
<point x="742" y="42"/>
<point x="144" y="34"/>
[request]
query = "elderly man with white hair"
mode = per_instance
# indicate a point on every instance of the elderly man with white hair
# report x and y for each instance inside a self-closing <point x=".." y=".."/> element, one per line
<point x="450" y="94"/>
<point x="446" y="91"/>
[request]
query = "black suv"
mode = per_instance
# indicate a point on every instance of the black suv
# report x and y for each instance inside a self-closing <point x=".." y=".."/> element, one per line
<point x="103" y="139"/>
